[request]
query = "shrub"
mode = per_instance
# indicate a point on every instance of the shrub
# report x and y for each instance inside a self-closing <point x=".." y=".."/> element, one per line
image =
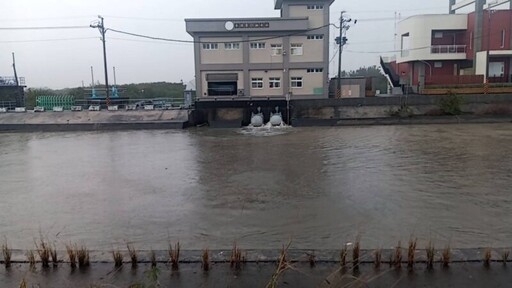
<point x="451" y="104"/>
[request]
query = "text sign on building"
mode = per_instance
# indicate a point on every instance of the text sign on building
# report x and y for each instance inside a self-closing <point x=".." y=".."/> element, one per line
<point x="247" y="25"/>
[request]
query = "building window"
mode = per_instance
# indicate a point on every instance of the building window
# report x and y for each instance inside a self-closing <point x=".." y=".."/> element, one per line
<point x="438" y="35"/>
<point x="257" y="83"/>
<point x="210" y="46"/>
<point x="232" y="46"/>
<point x="315" y="37"/>
<point x="296" y="82"/>
<point x="296" y="49"/>
<point x="274" y="82"/>
<point x="503" y="38"/>
<point x="315" y="7"/>
<point x="257" y="45"/>
<point x="438" y="64"/>
<point x="316" y="70"/>
<point x="277" y="49"/>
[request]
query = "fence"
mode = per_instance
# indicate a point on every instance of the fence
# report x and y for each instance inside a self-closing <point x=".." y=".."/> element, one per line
<point x="453" y="79"/>
<point x="48" y="102"/>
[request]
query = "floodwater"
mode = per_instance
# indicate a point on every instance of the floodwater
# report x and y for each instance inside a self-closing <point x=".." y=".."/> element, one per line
<point x="318" y="187"/>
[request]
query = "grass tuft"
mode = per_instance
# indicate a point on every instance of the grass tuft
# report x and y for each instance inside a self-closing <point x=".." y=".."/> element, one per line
<point x="446" y="256"/>
<point x="71" y="255"/>
<point x="152" y="257"/>
<point x="53" y="254"/>
<point x="312" y="259"/>
<point x="487" y="257"/>
<point x="7" y="252"/>
<point x="411" y="253"/>
<point x="23" y="283"/>
<point x="133" y="255"/>
<point x="44" y="251"/>
<point x="31" y="258"/>
<point x="205" y="260"/>
<point x="504" y="256"/>
<point x="282" y="265"/>
<point x="83" y="257"/>
<point x="118" y="258"/>
<point x="343" y="256"/>
<point x="174" y="255"/>
<point x="236" y="258"/>
<point x="397" y="260"/>
<point x="356" y="253"/>
<point x="377" y="260"/>
<point x="431" y="252"/>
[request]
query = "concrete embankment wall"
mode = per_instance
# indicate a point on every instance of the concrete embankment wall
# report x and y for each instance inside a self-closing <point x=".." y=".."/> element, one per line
<point x="92" y="120"/>
<point x="378" y="110"/>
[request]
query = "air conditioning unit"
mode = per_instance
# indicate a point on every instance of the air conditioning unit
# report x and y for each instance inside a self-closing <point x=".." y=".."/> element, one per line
<point x="241" y="92"/>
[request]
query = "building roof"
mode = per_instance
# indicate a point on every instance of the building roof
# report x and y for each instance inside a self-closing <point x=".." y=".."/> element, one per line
<point x="279" y="3"/>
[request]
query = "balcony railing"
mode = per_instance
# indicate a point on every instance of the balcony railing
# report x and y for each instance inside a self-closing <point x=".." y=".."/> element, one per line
<point x="11" y="81"/>
<point x="448" y="49"/>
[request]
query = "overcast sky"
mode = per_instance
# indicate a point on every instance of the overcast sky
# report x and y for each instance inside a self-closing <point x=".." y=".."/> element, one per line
<point x="62" y="58"/>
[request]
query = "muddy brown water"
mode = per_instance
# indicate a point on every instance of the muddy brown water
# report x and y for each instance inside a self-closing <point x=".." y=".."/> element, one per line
<point x="318" y="187"/>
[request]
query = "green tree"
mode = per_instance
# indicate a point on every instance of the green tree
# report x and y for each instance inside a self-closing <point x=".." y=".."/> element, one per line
<point x="378" y="78"/>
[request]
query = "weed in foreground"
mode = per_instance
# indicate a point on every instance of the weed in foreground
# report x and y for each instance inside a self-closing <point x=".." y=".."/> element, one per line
<point x="23" y="283"/>
<point x="83" y="257"/>
<point x="397" y="260"/>
<point x="118" y="258"/>
<point x="430" y="255"/>
<point x="152" y="257"/>
<point x="411" y="253"/>
<point x="133" y="255"/>
<point x="71" y="255"/>
<point x="44" y="251"/>
<point x="446" y="256"/>
<point x="282" y="265"/>
<point x="53" y="254"/>
<point x="377" y="260"/>
<point x="205" y="260"/>
<point x="31" y="259"/>
<point x="312" y="259"/>
<point x="174" y="255"/>
<point x="343" y="256"/>
<point x="487" y="257"/>
<point x="7" y="252"/>
<point x="236" y="258"/>
<point x="356" y="253"/>
<point x="504" y="256"/>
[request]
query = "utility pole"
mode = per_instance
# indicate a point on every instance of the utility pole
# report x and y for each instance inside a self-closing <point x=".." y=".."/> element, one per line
<point x="14" y="68"/>
<point x="101" y="27"/>
<point x="341" y="41"/>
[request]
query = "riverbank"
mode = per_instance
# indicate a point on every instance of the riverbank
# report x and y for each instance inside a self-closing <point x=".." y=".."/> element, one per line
<point x="93" y="120"/>
<point x="299" y="270"/>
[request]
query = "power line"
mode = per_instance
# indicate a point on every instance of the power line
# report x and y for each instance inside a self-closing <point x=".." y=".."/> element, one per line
<point x="48" y="40"/>
<point x="202" y="42"/>
<point x="146" y="18"/>
<point x="44" y="28"/>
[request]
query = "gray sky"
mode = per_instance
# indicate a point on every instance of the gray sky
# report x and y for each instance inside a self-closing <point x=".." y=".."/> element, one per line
<point x="46" y="62"/>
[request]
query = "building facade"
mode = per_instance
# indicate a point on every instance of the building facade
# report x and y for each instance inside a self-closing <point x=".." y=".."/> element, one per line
<point x="453" y="49"/>
<point x="264" y="57"/>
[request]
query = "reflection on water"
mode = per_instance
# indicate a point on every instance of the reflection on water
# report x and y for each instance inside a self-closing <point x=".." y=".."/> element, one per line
<point x="316" y="186"/>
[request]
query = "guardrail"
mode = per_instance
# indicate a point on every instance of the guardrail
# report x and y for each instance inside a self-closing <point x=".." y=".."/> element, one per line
<point x="448" y="49"/>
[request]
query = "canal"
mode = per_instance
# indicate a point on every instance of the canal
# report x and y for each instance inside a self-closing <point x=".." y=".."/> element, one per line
<point x="318" y="187"/>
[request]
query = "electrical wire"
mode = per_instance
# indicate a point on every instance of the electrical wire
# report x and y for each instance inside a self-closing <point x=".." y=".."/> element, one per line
<point x="44" y="28"/>
<point x="202" y="42"/>
<point x="48" y="40"/>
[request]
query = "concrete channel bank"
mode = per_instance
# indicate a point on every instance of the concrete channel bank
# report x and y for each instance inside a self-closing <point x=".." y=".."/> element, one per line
<point x="237" y="112"/>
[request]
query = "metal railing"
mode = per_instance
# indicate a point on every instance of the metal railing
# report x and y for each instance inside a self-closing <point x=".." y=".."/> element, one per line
<point x="11" y="81"/>
<point x="448" y="49"/>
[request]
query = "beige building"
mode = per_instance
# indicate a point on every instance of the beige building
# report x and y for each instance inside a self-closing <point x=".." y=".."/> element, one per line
<point x="264" y="57"/>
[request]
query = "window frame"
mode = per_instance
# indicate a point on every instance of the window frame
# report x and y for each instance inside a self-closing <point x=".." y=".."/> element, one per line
<point x="272" y="81"/>
<point x="315" y="7"/>
<point x="258" y="81"/>
<point x="298" y="47"/>
<point x="315" y="70"/>
<point x="438" y="64"/>
<point x="210" y="46"/>
<point x="315" y="37"/>
<point x="257" y="45"/>
<point x="232" y="46"/>
<point x="296" y="81"/>
<point x="276" y="49"/>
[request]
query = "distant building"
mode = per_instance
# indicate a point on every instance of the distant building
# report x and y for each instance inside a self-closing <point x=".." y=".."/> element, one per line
<point x="12" y="92"/>
<point x="264" y="57"/>
<point x="451" y="49"/>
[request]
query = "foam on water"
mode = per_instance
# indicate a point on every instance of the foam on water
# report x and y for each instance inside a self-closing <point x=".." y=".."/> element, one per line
<point x="266" y="130"/>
